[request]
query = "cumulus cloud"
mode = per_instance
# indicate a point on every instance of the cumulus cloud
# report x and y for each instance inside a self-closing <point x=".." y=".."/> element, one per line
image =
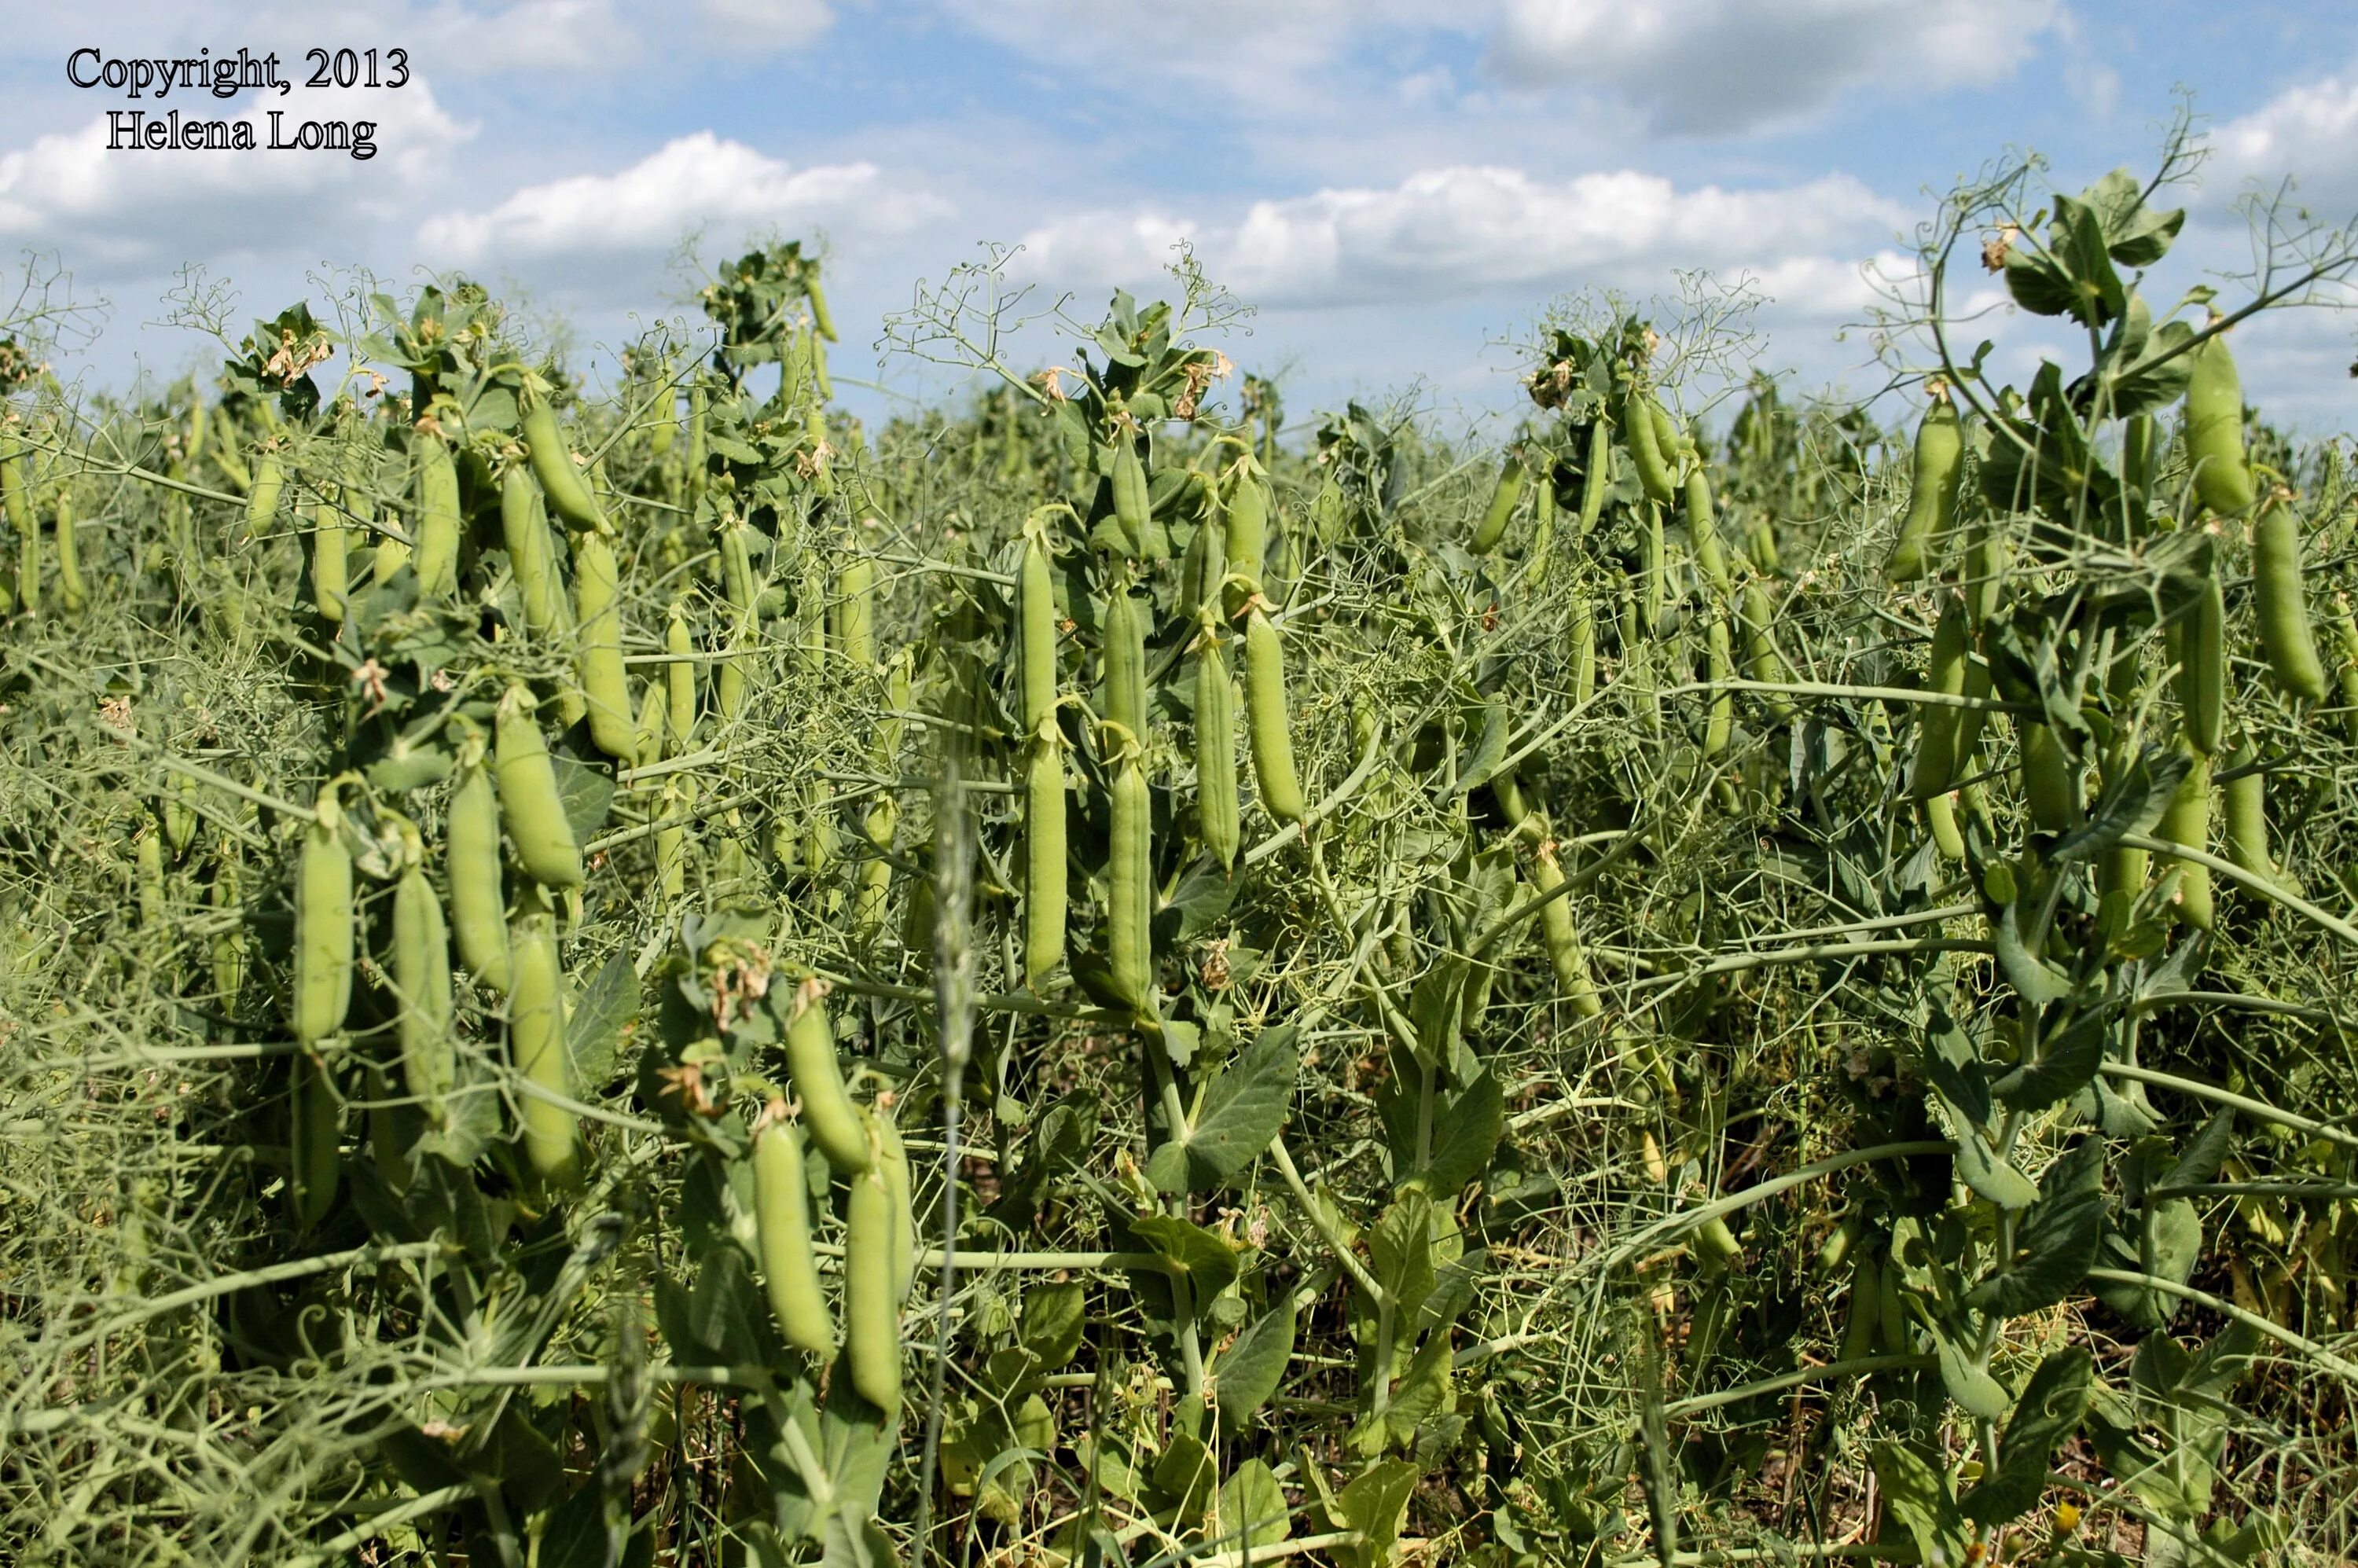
<point x="2305" y="132"/>
<point x="1468" y="230"/>
<point x="690" y="181"/>
<point x="1725" y="66"/>
<point x="125" y="209"/>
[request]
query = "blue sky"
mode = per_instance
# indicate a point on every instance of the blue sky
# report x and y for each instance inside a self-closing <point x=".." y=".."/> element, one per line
<point x="1398" y="185"/>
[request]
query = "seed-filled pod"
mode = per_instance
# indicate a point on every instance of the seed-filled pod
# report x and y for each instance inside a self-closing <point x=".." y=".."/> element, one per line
<point x="531" y="554"/>
<point x="1703" y="529"/>
<point x="1719" y="718"/>
<point x="649" y="749"/>
<point x="1269" y="716"/>
<point x="330" y="576"/>
<point x="597" y="583"/>
<point x="671" y="839"/>
<point x="1131" y="508"/>
<point x="2280" y="604"/>
<point x="1932" y="496"/>
<point x="530" y="807"/>
<point x="323" y="927"/>
<point x="2214" y="430"/>
<point x="262" y="500"/>
<point x="1124" y="697"/>
<point x="1218" y="815"/>
<point x="679" y="680"/>
<point x="439" y="524"/>
<point x="892" y="1165"/>
<point x="855" y="606"/>
<point x="229" y="943"/>
<point x="1245" y="538"/>
<point x="471" y="857"/>
<point x="872" y="899"/>
<point x="828" y="1114"/>
<point x="537" y="1044"/>
<point x="565" y="486"/>
<point x="1597" y="477"/>
<point x="1936" y="723"/>
<point x="1503" y="494"/>
<point x="1583" y="649"/>
<point x="2243" y="815"/>
<point x="2197" y="641"/>
<point x="781" y="1225"/>
<point x="1043" y="766"/>
<point x="71" y="594"/>
<point x="2187" y="820"/>
<point x="2050" y="785"/>
<point x="1647" y="454"/>
<point x="421" y="973"/>
<point x="16" y="501"/>
<point x="147" y="854"/>
<point x="315" y="1123"/>
<point x="1559" y="932"/>
<point x="1940" y="817"/>
<point x="2345" y="635"/>
<point x="1654" y="571"/>
<point x="871" y="1318"/>
<point x="1129" y="875"/>
<point x="1762" y="661"/>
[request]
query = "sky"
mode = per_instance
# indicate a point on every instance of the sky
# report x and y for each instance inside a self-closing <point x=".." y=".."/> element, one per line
<point x="1400" y="191"/>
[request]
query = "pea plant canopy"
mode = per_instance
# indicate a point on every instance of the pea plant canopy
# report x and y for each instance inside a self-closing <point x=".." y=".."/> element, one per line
<point x="670" y="981"/>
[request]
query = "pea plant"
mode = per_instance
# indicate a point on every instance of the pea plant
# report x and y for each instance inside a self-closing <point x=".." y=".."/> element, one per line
<point x="653" y="976"/>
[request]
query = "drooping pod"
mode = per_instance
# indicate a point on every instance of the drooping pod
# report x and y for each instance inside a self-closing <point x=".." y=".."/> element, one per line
<point x="2243" y="815"/>
<point x="1762" y="661"/>
<point x="1124" y="696"/>
<point x="470" y="858"/>
<point x="2214" y="430"/>
<point x="1268" y="715"/>
<point x="1647" y="455"/>
<point x="1863" y="1312"/>
<point x="1597" y="477"/>
<point x="229" y="943"/>
<point x="855" y="600"/>
<point x="2279" y="602"/>
<point x="421" y="974"/>
<point x="892" y="1165"/>
<point x="262" y="500"/>
<point x="315" y="1121"/>
<point x="1246" y="539"/>
<point x="72" y="595"/>
<point x="1131" y="508"/>
<point x="2050" y="784"/>
<point x="16" y="502"/>
<point x="1703" y="529"/>
<point x="1936" y="723"/>
<point x="530" y="807"/>
<point x="536" y="1043"/>
<point x="871" y="1317"/>
<point x="828" y="1114"/>
<point x="873" y="898"/>
<point x="1939" y="466"/>
<point x="323" y="927"/>
<point x="671" y="837"/>
<point x="1043" y="791"/>
<point x="1560" y="932"/>
<point x="148" y="856"/>
<point x="439" y="524"/>
<point x="2197" y="639"/>
<point x="1940" y="816"/>
<point x="331" y="577"/>
<point x="531" y="554"/>
<point x="1719" y="718"/>
<point x="2187" y="820"/>
<point x="1129" y="874"/>
<point x="649" y="748"/>
<point x="679" y="680"/>
<point x="1503" y="494"/>
<point x="781" y="1225"/>
<point x="1218" y="815"/>
<point x="596" y="584"/>
<point x="566" y="488"/>
<point x="1582" y="638"/>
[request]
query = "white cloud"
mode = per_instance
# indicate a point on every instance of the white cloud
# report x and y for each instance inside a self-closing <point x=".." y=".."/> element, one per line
<point x="1725" y="66"/>
<point x="122" y="208"/>
<point x="689" y="181"/>
<point x="1463" y="232"/>
<point x="2305" y="132"/>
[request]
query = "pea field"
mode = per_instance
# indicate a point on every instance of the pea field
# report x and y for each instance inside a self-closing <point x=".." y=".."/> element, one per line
<point x="1106" y="971"/>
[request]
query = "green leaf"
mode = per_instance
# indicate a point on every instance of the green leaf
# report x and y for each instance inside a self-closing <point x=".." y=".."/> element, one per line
<point x="1917" y="1498"/>
<point x="2057" y="1243"/>
<point x="1977" y="1393"/>
<point x="2046" y="1415"/>
<point x="2204" y="1156"/>
<point x="2034" y="980"/>
<point x="1489" y="748"/>
<point x="1990" y="1176"/>
<point x="1055" y="1318"/>
<point x="1252" y="1509"/>
<point x="2134" y="234"/>
<point x="2069" y="1061"/>
<point x="1186" y="1475"/>
<point x="1250" y="1369"/>
<point x="2132" y="804"/>
<point x="1243" y="1110"/>
<point x="1399" y="1245"/>
<point x="586" y="790"/>
<point x="594" y="1029"/>
<point x="1373" y="1504"/>
<point x="1465" y="1135"/>
<point x="1207" y="1262"/>
<point x="1198" y="904"/>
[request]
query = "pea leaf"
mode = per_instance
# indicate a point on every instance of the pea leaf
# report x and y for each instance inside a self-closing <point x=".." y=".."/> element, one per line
<point x="1917" y="1498"/>
<point x="2132" y="804"/>
<point x="1203" y="1259"/>
<point x="1252" y="1509"/>
<point x="2047" y="1413"/>
<point x="2057" y="1242"/>
<point x="1249" y="1371"/>
<point x="1053" y="1319"/>
<point x="1242" y="1111"/>
<point x="1373" y="1505"/>
<point x="593" y="1031"/>
<point x="1465" y="1134"/>
<point x="2035" y="981"/>
<point x="2069" y="1061"/>
<point x="1977" y="1393"/>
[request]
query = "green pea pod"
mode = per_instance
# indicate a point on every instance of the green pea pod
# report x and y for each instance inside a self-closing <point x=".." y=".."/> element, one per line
<point x="1940" y="816"/>
<point x="649" y="748"/>
<point x="1503" y="494"/>
<point x="2138" y="454"/>
<point x="1719" y="718"/>
<point x="536" y="1043"/>
<point x="323" y="928"/>
<point x="1860" y="1320"/>
<point x="330" y="578"/>
<point x="315" y="1113"/>
<point x="782" y="1226"/>
<point x="1218" y="816"/>
<point x="2345" y="632"/>
<point x="1037" y="650"/>
<point x="2187" y="820"/>
<point x="1597" y="477"/>
<point x="892" y="1165"/>
<point x="439" y="522"/>
<point x="531" y="556"/>
<point x="821" y="382"/>
<point x="1561" y="938"/>
<point x="1540" y="552"/>
<point x="2197" y="641"/>
<point x="1043" y="809"/>
<point x="2050" y="784"/>
<point x="870" y="902"/>
<point x="1936" y="724"/>
<point x="855" y="598"/>
<point x="1247" y="540"/>
<point x="421" y="975"/>
<point x="827" y="1111"/>
<point x="736" y="565"/>
<point x="16" y="501"/>
<point x="1932" y="495"/>
<point x="872" y="1319"/>
<point x="1984" y="577"/>
<point x="596" y="584"/>
<point x="262" y="500"/>
<point x="228" y="943"/>
<point x="1130" y="904"/>
<point x="1131" y="510"/>
<point x="1124" y="697"/>
<point x="671" y="841"/>
<point x="699" y="450"/>
<point x="1268" y="715"/>
<point x="530" y="807"/>
<point x="1703" y="529"/>
<point x="566" y="488"/>
<point x="471" y="857"/>
<point x="1583" y="649"/>
<point x="1761" y="658"/>
<point x="1891" y="1312"/>
<point x="2243" y="816"/>
<point x="2281" y="605"/>
<point x="2214" y="430"/>
<point x="679" y="680"/>
<point x="822" y="319"/>
<point x="1654" y="568"/>
<point x="71" y="594"/>
<point x="1760" y="544"/>
<point x="148" y="853"/>
<point x="1647" y="455"/>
